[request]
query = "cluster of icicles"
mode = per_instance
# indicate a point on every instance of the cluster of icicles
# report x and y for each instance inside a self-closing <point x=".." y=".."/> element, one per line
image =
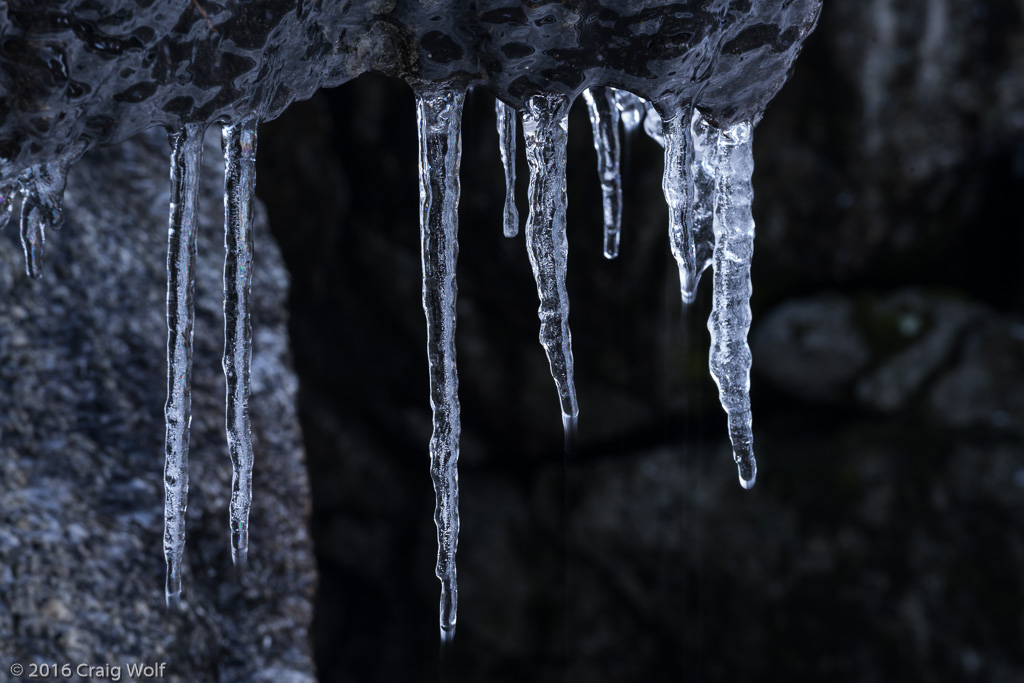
<point x="707" y="184"/>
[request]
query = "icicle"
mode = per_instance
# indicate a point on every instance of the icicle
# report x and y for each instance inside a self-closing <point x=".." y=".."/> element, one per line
<point x="705" y="164"/>
<point x="730" y="315"/>
<point x="439" y="117"/>
<point x="7" y="203"/>
<point x="42" y="207"/>
<point x="604" y="118"/>
<point x="677" y="184"/>
<point x="546" y="131"/>
<point x="33" y="235"/>
<point x="507" y="145"/>
<point x="239" y="144"/>
<point x="630" y="107"/>
<point x="186" y="161"/>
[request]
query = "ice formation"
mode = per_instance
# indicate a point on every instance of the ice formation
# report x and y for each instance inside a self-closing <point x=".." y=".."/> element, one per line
<point x="438" y="118"/>
<point x="696" y="74"/>
<point x="186" y="162"/>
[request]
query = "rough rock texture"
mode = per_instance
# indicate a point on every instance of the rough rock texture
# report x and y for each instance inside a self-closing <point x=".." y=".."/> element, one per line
<point x="82" y="363"/>
<point x="78" y="71"/>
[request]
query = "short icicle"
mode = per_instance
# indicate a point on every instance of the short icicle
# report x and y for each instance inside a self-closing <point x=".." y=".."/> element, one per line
<point x="7" y="193"/>
<point x="730" y="314"/>
<point x="546" y="131"/>
<point x="439" y="117"/>
<point x="677" y="183"/>
<point x="186" y="162"/>
<point x="507" y="145"/>
<point x="42" y="208"/>
<point x="604" y="118"/>
<point x="239" y="145"/>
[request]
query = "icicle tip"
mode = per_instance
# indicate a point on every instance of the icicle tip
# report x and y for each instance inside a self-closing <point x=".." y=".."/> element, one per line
<point x="570" y="425"/>
<point x="750" y="479"/>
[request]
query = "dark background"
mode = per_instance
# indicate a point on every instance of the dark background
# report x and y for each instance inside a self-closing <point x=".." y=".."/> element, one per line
<point x="885" y="537"/>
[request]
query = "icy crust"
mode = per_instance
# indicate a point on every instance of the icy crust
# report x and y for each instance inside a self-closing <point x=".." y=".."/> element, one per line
<point x="79" y="72"/>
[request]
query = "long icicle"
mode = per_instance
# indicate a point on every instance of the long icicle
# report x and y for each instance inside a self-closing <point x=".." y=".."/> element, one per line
<point x="186" y="162"/>
<point x="730" y="314"/>
<point x="546" y="131"/>
<point x="677" y="183"/>
<point x="439" y="120"/>
<point x="33" y="234"/>
<point x="506" y="121"/>
<point x="239" y="145"/>
<point x="604" y="118"/>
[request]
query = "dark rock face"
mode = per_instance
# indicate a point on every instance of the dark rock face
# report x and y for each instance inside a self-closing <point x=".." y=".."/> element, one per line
<point x="81" y="415"/>
<point x="79" y="72"/>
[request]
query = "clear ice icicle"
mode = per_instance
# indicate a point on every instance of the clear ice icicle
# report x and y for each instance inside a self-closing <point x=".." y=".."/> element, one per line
<point x="546" y="131"/>
<point x="439" y="117"/>
<point x="42" y="207"/>
<point x="677" y="184"/>
<point x="33" y="236"/>
<point x="6" y="204"/>
<point x="705" y="165"/>
<point x="604" y="118"/>
<point x="239" y="145"/>
<point x="186" y="162"/>
<point x="730" y="314"/>
<point x="507" y="145"/>
<point x="631" y="108"/>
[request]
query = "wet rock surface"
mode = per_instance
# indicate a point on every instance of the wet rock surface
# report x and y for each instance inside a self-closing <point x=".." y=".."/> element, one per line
<point x="79" y="72"/>
<point x="82" y="363"/>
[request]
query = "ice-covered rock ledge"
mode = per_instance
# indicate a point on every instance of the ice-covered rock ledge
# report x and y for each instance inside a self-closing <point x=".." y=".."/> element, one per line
<point x="697" y="74"/>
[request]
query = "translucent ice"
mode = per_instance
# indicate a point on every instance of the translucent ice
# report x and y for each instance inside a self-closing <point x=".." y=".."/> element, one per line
<point x="186" y="161"/>
<point x="604" y="119"/>
<point x="730" y="315"/>
<point x="546" y="131"/>
<point x="506" y="116"/>
<point x="239" y="144"/>
<point x="439" y="116"/>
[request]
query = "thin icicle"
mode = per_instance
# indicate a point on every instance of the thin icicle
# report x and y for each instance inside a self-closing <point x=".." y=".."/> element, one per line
<point x="186" y="161"/>
<point x="33" y="236"/>
<point x="630" y="107"/>
<point x="705" y="165"/>
<point x="677" y="184"/>
<point x="507" y="145"/>
<point x="730" y="315"/>
<point x="7" y="203"/>
<point x="546" y="131"/>
<point x="439" y="117"/>
<point x="239" y="144"/>
<point x="604" y="118"/>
